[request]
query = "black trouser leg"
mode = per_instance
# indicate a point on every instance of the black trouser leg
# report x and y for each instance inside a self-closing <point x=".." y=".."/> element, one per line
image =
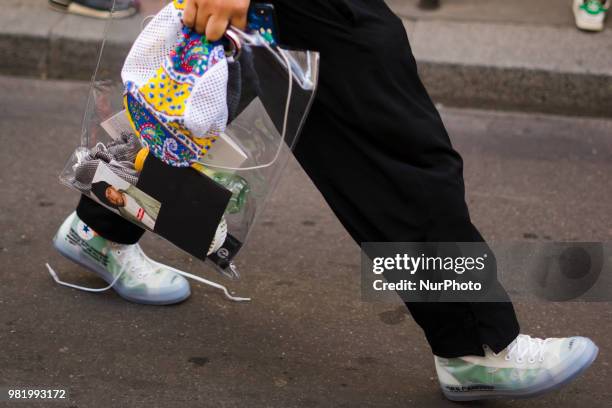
<point x="376" y="148"/>
<point x="108" y="224"/>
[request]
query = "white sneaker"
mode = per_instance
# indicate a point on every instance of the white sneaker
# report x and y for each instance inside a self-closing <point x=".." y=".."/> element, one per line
<point x="590" y="14"/>
<point x="526" y="368"/>
<point x="126" y="269"/>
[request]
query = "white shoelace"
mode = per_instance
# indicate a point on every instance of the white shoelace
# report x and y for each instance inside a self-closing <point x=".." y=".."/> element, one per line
<point x="136" y="261"/>
<point x="527" y="346"/>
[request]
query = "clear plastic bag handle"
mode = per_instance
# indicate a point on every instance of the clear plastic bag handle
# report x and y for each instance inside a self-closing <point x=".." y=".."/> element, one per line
<point x="235" y="35"/>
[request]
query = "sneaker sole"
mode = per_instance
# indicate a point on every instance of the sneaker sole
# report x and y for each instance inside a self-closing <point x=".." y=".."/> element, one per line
<point x="58" y="5"/>
<point x="589" y="27"/>
<point x="81" y="10"/>
<point x="584" y="363"/>
<point x="108" y="278"/>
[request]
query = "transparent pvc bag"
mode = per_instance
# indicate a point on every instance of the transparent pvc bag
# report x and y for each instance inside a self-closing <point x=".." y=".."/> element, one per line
<point x="270" y="90"/>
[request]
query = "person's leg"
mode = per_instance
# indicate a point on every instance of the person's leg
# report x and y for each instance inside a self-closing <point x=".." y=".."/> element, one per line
<point x="107" y="223"/>
<point x="376" y="148"/>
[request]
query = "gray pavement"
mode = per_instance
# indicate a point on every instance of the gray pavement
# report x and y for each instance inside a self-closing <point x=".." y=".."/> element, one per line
<point x="306" y="340"/>
<point x="493" y="54"/>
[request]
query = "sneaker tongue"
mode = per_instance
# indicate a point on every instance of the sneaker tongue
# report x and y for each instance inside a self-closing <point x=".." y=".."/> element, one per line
<point x="516" y="340"/>
<point x="126" y="250"/>
<point x="511" y="344"/>
<point x="134" y="260"/>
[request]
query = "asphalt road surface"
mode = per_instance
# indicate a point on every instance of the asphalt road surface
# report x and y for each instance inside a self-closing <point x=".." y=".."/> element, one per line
<point x="306" y="339"/>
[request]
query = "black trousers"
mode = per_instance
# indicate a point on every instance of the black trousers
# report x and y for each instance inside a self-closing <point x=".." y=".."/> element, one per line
<point x="376" y="148"/>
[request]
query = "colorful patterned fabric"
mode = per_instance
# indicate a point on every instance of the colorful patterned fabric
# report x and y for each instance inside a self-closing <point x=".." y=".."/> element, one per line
<point x="173" y="148"/>
<point x="174" y="100"/>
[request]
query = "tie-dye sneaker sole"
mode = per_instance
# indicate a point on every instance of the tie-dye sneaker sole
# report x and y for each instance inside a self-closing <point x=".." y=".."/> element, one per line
<point x="504" y="378"/>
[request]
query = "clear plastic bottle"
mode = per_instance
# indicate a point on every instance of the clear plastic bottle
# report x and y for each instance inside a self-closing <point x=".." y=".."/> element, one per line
<point x="234" y="183"/>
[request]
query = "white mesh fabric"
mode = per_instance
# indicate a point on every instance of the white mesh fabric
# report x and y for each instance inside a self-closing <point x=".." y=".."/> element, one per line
<point x="206" y="108"/>
<point x="152" y="46"/>
<point x="205" y="112"/>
